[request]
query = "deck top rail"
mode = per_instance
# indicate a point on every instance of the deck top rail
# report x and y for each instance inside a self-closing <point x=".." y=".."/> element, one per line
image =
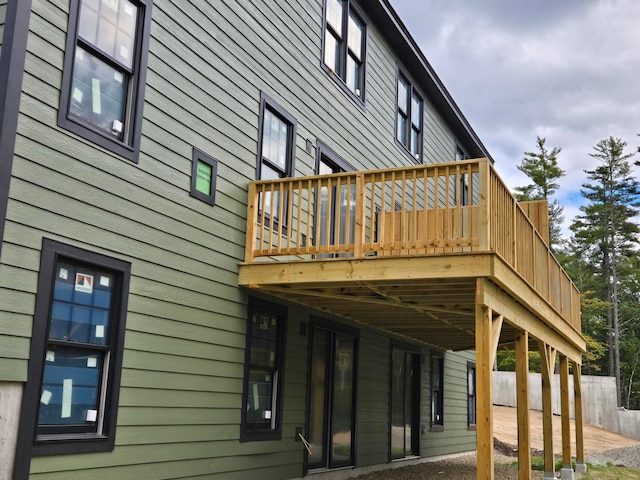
<point x="451" y="208"/>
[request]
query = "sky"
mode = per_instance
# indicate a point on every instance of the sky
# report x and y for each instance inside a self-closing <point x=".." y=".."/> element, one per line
<point x="565" y="70"/>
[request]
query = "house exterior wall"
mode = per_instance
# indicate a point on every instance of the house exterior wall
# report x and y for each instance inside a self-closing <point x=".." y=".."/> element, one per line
<point x="3" y="12"/>
<point x="183" y="364"/>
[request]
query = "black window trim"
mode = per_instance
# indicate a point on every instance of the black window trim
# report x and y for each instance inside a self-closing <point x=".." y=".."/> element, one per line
<point x="470" y="425"/>
<point x="360" y="100"/>
<point x="335" y="327"/>
<point x="134" y="107"/>
<point x="416" y="401"/>
<point x="268" y="103"/>
<point x="247" y="435"/>
<point x="200" y="156"/>
<point x="437" y="427"/>
<point x="28" y="443"/>
<point x="322" y="149"/>
<point x="401" y="73"/>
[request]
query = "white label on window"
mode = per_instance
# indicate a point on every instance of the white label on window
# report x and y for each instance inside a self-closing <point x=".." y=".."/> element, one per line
<point x="99" y="331"/>
<point x="128" y="9"/>
<point x="104" y="281"/>
<point x="64" y="273"/>
<point x="117" y="76"/>
<point x="80" y="54"/>
<point x="272" y="356"/>
<point x="45" y="398"/>
<point x="67" y="389"/>
<point x="77" y="95"/>
<point x="51" y="356"/>
<point x="95" y="91"/>
<point x="124" y="52"/>
<point x="267" y="378"/>
<point x="116" y="127"/>
<point x="267" y="414"/>
<point x="92" y="362"/>
<point x="91" y="415"/>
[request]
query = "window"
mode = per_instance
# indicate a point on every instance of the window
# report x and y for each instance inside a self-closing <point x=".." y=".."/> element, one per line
<point x="437" y="394"/>
<point x="104" y="72"/>
<point x="471" y="395"/>
<point x="344" y="45"/>
<point x="203" y="177"/>
<point x="263" y="379"/>
<point x="409" y="118"/>
<point x="276" y="149"/>
<point x="405" y="403"/>
<point x="335" y="207"/>
<point x="464" y="180"/>
<point x="71" y="397"/>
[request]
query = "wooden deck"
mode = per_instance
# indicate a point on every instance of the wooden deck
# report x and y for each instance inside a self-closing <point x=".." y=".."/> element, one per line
<point x="442" y="254"/>
<point x="403" y="250"/>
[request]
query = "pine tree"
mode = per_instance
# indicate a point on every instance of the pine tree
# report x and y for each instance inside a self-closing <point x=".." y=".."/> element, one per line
<point x="542" y="168"/>
<point x="606" y="235"/>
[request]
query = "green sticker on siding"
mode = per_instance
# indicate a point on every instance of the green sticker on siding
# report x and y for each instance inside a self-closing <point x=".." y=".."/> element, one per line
<point x="203" y="178"/>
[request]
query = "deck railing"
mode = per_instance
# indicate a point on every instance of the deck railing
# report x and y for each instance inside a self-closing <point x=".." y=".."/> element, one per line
<point x="452" y="208"/>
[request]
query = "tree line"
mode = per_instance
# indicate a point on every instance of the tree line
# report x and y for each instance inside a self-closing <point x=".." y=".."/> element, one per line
<point x="600" y="255"/>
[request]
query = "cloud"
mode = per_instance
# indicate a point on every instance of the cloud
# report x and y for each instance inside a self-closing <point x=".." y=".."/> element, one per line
<point x="565" y="70"/>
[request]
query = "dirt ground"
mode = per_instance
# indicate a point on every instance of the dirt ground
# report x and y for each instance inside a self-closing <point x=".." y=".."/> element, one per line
<point x="596" y="440"/>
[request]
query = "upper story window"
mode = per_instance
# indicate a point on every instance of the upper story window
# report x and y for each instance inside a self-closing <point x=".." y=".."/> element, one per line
<point x="409" y="118"/>
<point x="276" y="149"/>
<point x="104" y="72"/>
<point x="344" y="45"/>
<point x="71" y="398"/>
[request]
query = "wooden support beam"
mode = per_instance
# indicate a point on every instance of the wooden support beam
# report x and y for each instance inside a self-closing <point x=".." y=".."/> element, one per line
<point x="565" y="415"/>
<point x="581" y="466"/>
<point x="492" y="296"/>
<point x="485" y="354"/>
<point x="496" y="328"/>
<point x="547" y="366"/>
<point x="522" y="393"/>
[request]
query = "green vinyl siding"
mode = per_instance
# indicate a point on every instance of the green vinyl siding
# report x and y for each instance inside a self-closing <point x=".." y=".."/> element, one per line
<point x="183" y="363"/>
<point x="456" y="437"/>
<point x="373" y="398"/>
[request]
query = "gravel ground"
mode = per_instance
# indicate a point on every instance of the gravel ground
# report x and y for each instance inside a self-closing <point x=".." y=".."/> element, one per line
<point x="465" y="467"/>
<point x="625" y="457"/>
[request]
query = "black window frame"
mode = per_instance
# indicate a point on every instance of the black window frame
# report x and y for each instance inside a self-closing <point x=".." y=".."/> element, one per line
<point x="416" y="360"/>
<point x="459" y="156"/>
<point x="334" y="329"/>
<point x="62" y="441"/>
<point x="248" y="434"/>
<point x="412" y="90"/>
<point x="268" y="103"/>
<point x="340" y="76"/>
<point x="471" y="396"/>
<point x="129" y="146"/>
<point x="199" y="156"/>
<point x="437" y="404"/>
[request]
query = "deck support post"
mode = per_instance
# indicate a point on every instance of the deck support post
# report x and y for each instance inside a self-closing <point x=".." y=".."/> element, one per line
<point x="522" y="393"/>
<point x="484" y="400"/>
<point x="581" y="466"/>
<point x="565" y="414"/>
<point x="547" y="366"/>
<point x="488" y="328"/>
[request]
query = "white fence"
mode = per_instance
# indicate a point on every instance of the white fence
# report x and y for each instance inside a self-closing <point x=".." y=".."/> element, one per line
<point x="599" y="404"/>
